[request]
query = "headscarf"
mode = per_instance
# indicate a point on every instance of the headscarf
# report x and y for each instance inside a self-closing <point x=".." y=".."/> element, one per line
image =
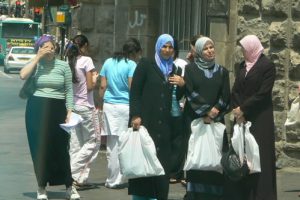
<point x="42" y="40"/>
<point x="253" y="49"/>
<point x="165" y="66"/>
<point x="200" y="60"/>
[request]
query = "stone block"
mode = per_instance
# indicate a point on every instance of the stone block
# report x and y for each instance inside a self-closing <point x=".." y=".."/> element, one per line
<point x="278" y="35"/>
<point x="294" y="70"/>
<point x="296" y="10"/>
<point x="104" y="18"/>
<point x="275" y="8"/>
<point x="279" y="119"/>
<point x="278" y="95"/>
<point x="279" y="59"/>
<point x="292" y="150"/>
<point x="249" y="8"/>
<point x="86" y="18"/>
<point x="296" y="37"/>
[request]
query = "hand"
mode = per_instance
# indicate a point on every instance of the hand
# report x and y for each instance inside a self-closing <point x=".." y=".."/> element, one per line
<point x="238" y="113"/>
<point x="207" y="120"/>
<point x="68" y="116"/>
<point x="213" y="113"/>
<point x="44" y="51"/>
<point x="95" y="76"/>
<point x="136" y="122"/>
<point x="240" y="120"/>
<point x="176" y="80"/>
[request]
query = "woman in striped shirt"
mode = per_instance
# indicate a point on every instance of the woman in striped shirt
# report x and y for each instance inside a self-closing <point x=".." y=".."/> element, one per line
<point x="50" y="105"/>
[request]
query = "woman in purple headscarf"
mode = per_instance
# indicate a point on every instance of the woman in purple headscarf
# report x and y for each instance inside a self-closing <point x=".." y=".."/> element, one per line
<point x="50" y="105"/>
<point x="150" y="106"/>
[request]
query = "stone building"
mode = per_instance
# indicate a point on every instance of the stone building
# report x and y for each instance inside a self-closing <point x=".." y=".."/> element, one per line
<point x="108" y="23"/>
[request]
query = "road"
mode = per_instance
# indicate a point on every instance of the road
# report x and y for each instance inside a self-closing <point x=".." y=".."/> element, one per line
<point x="17" y="179"/>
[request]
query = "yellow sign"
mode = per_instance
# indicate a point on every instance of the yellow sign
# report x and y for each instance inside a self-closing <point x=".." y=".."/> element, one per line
<point x="60" y="17"/>
<point x="20" y="42"/>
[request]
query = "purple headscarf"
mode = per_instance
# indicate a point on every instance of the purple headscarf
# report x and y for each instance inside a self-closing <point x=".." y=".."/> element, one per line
<point x="43" y="39"/>
<point x="165" y="66"/>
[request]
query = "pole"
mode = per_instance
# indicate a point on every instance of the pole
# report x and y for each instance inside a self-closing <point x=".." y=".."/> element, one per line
<point x="62" y="34"/>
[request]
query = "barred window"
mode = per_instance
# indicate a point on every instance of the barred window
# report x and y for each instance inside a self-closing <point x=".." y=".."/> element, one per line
<point x="184" y="19"/>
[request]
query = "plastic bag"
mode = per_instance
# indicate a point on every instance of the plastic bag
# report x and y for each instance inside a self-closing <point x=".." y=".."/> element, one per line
<point x="205" y="146"/>
<point x="137" y="154"/>
<point x="252" y="148"/>
<point x="293" y="116"/>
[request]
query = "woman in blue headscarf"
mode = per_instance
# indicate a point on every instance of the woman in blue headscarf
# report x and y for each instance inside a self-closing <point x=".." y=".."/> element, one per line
<point x="150" y="106"/>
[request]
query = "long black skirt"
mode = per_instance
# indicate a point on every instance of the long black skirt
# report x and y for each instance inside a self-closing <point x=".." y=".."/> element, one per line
<point x="48" y="143"/>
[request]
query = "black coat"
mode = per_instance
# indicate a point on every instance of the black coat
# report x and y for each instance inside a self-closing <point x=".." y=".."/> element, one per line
<point x="253" y="93"/>
<point x="150" y="99"/>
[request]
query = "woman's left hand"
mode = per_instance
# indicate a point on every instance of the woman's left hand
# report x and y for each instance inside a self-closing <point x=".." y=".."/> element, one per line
<point x="238" y="113"/>
<point x="176" y="80"/>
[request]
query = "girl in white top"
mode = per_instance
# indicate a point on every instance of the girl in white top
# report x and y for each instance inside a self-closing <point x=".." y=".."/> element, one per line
<point x="85" y="138"/>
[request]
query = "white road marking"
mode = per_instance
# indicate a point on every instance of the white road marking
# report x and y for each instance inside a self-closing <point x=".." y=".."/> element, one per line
<point x="4" y="74"/>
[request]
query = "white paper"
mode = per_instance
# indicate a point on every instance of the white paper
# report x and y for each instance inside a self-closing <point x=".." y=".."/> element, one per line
<point x="75" y="119"/>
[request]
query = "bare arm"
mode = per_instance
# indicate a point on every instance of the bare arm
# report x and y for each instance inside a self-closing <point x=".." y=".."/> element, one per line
<point x="103" y="85"/>
<point x="29" y="68"/>
<point x="129" y="82"/>
<point x="89" y="80"/>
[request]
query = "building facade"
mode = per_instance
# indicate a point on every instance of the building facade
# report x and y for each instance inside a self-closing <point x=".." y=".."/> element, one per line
<point x="108" y="23"/>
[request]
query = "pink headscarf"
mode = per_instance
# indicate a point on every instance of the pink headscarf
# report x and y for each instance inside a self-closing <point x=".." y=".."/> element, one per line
<point x="253" y="49"/>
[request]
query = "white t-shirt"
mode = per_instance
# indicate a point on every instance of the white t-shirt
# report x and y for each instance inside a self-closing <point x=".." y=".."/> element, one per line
<point x="82" y="96"/>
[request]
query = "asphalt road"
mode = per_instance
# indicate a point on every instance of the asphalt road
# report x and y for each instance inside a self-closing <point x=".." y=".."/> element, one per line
<point x="17" y="179"/>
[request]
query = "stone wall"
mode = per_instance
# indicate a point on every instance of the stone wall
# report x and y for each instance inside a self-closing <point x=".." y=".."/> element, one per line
<point x="276" y="23"/>
<point x="108" y="23"/>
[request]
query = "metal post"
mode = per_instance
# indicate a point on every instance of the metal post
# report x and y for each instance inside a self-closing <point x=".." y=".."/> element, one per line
<point x="62" y="34"/>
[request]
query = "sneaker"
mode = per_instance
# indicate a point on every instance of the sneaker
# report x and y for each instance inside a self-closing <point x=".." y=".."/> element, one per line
<point x="72" y="193"/>
<point x="41" y="194"/>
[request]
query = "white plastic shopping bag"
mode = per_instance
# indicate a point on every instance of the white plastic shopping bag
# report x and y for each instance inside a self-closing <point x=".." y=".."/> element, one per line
<point x="205" y="146"/>
<point x="252" y="148"/>
<point x="293" y="116"/>
<point x="137" y="154"/>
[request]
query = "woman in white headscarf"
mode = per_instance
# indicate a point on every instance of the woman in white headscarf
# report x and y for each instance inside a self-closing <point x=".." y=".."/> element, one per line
<point x="207" y="91"/>
<point x="252" y="101"/>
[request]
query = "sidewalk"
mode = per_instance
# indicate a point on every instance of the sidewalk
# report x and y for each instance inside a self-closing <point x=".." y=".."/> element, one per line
<point x="288" y="184"/>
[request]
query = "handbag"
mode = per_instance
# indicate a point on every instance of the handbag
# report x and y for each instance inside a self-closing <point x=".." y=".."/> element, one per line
<point x="205" y="146"/>
<point x="28" y="87"/>
<point x="233" y="167"/>
<point x="137" y="154"/>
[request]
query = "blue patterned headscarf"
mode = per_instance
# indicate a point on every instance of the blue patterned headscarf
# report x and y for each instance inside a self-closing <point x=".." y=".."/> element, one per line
<point x="165" y="66"/>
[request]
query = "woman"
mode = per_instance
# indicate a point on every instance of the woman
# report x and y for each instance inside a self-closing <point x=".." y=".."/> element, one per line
<point x="50" y="105"/>
<point x="85" y="138"/>
<point x="207" y="91"/>
<point x="178" y="144"/>
<point x="116" y="76"/>
<point x="150" y="106"/>
<point x="252" y="101"/>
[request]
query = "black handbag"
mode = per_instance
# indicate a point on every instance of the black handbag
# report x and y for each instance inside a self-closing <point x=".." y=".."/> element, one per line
<point x="28" y="87"/>
<point x="233" y="168"/>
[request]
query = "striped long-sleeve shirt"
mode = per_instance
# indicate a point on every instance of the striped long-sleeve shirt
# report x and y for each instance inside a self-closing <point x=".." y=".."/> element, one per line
<point x="54" y="80"/>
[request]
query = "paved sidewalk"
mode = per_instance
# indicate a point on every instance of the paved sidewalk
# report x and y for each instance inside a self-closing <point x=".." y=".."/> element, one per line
<point x="288" y="184"/>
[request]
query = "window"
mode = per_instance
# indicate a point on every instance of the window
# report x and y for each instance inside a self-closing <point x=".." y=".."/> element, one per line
<point x="184" y="19"/>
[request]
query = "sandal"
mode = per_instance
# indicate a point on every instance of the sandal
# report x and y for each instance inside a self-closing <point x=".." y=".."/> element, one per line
<point x="173" y="180"/>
